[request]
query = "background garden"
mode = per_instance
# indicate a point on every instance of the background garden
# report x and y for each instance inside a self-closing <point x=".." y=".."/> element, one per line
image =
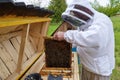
<point x="112" y="10"/>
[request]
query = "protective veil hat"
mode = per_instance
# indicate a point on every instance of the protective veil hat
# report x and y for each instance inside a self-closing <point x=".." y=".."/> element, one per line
<point x="77" y="14"/>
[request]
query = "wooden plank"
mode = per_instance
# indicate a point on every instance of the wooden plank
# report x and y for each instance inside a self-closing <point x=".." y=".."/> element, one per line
<point x="36" y="67"/>
<point x="65" y="79"/>
<point x="56" y="69"/>
<point x="45" y="77"/>
<point x="16" y="45"/>
<point x="66" y="72"/>
<point x="76" y="68"/>
<point x="31" y="60"/>
<point x="4" y="73"/>
<point x="12" y="76"/>
<point x="45" y="28"/>
<point x="7" y="36"/>
<point x="33" y="43"/>
<point x="35" y="29"/>
<point x="35" y="34"/>
<point x="38" y="64"/>
<point x="11" y="50"/>
<point x="4" y="55"/>
<point x="12" y="21"/>
<point x="30" y="47"/>
<point x="25" y="67"/>
<point x="5" y="30"/>
<point x="27" y="36"/>
<point x="22" y="46"/>
<point x="25" y="50"/>
<point x="43" y="33"/>
<point x="72" y="66"/>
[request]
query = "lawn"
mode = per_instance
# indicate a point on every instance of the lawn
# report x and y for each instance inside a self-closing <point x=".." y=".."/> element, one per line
<point x="116" y="23"/>
<point x="52" y="28"/>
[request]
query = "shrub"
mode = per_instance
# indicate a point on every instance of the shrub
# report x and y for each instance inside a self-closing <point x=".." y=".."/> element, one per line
<point x="58" y="6"/>
<point x="110" y="10"/>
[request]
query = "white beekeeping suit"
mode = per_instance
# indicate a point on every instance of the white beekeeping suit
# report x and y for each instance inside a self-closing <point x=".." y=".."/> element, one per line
<point x="94" y="39"/>
<point x="27" y="2"/>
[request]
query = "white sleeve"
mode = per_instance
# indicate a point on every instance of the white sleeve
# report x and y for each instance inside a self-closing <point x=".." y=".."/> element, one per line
<point x="88" y="38"/>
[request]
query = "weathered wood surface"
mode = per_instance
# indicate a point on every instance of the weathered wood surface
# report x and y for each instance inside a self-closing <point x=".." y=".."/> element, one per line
<point x="22" y="47"/>
<point x="25" y="52"/>
<point x="76" y="75"/>
<point x="3" y="70"/>
<point x="16" y="45"/>
<point x="68" y="73"/>
<point x="7" y="59"/>
<point x="9" y="21"/>
<point x="7" y="36"/>
<point x="20" y="52"/>
<point x="38" y="33"/>
<point x="36" y="67"/>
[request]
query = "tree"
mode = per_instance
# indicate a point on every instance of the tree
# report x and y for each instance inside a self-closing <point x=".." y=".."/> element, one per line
<point x="58" y="6"/>
<point x="114" y="2"/>
<point x="111" y="9"/>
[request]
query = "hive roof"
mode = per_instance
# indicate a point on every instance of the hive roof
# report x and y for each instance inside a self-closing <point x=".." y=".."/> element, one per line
<point x="9" y="7"/>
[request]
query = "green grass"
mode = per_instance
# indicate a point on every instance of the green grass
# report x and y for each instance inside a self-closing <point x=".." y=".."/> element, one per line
<point x="116" y="71"/>
<point x="52" y="28"/>
<point x="116" y="23"/>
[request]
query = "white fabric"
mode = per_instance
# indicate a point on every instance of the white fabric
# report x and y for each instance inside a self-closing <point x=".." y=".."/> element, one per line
<point x="95" y="44"/>
<point x="75" y="18"/>
<point x="70" y="7"/>
<point x="27" y="2"/>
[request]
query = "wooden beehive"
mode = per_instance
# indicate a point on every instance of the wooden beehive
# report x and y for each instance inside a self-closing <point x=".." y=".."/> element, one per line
<point x="22" y="44"/>
<point x="21" y="41"/>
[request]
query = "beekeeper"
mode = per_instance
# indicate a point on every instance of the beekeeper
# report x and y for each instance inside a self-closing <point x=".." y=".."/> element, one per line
<point x="94" y="38"/>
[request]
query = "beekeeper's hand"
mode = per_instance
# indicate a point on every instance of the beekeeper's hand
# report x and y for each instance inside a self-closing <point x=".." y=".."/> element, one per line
<point x="59" y="36"/>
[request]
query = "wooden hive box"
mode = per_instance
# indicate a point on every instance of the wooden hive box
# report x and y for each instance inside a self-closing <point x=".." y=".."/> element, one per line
<point x="21" y="41"/>
<point x="21" y="44"/>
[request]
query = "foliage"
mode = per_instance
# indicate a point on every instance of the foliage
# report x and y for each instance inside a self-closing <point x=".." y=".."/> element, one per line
<point x="114" y="2"/>
<point x="52" y="28"/>
<point x="58" y="6"/>
<point x="111" y="9"/>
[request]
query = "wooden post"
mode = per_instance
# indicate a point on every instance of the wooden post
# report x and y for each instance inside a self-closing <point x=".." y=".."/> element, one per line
<point x="43" y="33"/>
<point x="24" y="36"/>
<point x="35" y="34"/>
<point x="76" y="68"/>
